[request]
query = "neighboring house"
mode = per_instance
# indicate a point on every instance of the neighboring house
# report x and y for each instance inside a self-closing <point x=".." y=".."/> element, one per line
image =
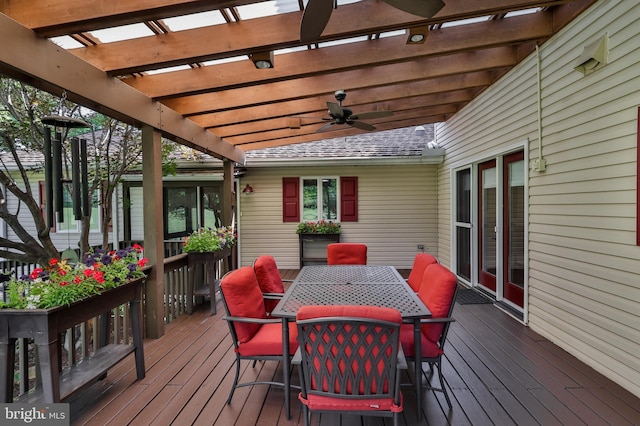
<point x="547" y="225"/>
<point x="64" y="235"/>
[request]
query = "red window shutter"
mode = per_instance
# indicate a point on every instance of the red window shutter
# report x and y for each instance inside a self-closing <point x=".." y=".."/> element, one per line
<point x="349" y="198"/>
<point x="290" y="199"/>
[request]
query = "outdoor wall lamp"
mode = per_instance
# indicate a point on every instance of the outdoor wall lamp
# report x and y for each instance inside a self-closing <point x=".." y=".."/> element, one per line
<point x="248" y="190"/>
<point x="262" y="60"/>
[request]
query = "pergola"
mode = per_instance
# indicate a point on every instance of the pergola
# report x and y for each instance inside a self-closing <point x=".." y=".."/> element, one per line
<point x="199" y="86"/>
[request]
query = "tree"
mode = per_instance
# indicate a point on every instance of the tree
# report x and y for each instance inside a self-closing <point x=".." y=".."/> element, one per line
<point x="113" y="149"/>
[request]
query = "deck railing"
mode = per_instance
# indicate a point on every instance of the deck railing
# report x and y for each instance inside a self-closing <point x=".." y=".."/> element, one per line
<point x="82" y="336"/>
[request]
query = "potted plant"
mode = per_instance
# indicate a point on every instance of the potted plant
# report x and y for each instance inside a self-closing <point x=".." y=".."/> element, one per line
<point x="319" y="227"/>
<point x="206" y="246"/>
<point x="54" y="298"/>
<point x="314" y="238"/>
<point x="206" y="239"/>
<point x="61" y="283"/>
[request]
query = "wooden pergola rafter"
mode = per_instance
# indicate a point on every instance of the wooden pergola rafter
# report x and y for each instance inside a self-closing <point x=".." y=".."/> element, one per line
<point x="253" y="108"/>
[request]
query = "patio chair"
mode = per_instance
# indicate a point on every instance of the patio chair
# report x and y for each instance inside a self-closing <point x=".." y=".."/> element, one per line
<point x="438" y="292"/>
<point x="270" y="281"/>
<point x="255" y="337"/>
<point x="420" y="263"/>
<point x="349" y="360"/>
<point x="346" y="254"/>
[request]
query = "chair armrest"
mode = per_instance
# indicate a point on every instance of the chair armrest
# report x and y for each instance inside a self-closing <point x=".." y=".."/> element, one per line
<point x="272" y="296"/>
<point x="436" y="320"/>
<point x="253" y="320"/>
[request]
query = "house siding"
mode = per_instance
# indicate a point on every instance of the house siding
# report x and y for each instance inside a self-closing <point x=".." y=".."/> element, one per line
<point x="396" y="212"/>
<point x="583" y="283"/>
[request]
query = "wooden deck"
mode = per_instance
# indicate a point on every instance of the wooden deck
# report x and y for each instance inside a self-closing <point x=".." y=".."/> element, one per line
<point x="499" y="372"/>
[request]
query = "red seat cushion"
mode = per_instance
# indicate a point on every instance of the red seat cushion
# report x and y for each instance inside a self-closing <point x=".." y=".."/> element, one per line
<point x="244" y="299"/>
<point x="420" y="263"/>
<point x="319" y="402"/>
<point x="268" y="341"/>
<point x="437" y="290"/>
<point x="428" y="348"/>
<point x="346" y="254"/>
<point x="269" y="279"/>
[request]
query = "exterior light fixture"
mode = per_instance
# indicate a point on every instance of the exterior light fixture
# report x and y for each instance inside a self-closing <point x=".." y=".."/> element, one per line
<point x="248" y="190"/>
<point x="417" y="35"/>
<point x="420" y="131"/>
<point x="262" y="60"/>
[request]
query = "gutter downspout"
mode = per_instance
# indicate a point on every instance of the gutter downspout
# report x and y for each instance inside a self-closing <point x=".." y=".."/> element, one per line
<point x="539" y="164"/>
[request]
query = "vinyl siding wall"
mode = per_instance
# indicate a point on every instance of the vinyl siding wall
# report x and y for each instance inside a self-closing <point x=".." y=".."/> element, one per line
<point x="583" y="276"/>
<point x="396" y="212"/>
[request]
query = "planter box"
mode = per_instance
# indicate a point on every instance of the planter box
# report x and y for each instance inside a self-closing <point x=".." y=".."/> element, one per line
<point x="313" y="248"/>
<point x="210" y="262"/>
<point x="44" y="326"/>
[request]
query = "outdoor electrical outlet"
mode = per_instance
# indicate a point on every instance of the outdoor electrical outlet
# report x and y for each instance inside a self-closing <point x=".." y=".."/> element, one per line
<point x="420" y="247"/>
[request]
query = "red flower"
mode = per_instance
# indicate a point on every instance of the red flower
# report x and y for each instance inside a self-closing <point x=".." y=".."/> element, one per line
<point x="64" y="283"/>
<point x="142" y="262"/>
<point x="137" y="247"/>
<point x="53" y="261"/>
<point x="35" y="273"/>
<point x="77" y="279"/>
<point x="98" y="276"/>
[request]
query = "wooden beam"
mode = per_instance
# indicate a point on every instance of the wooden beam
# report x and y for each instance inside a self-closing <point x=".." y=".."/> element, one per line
<point x="429" y="68"/>
<point x="334" y="59"/>
<point x="39" y="62"/>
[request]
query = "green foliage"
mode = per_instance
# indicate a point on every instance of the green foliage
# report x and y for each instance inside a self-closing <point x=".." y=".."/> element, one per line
<point x="61" y="283"/>
<point x="319" y="227"/>
<point x="209" y="239"/>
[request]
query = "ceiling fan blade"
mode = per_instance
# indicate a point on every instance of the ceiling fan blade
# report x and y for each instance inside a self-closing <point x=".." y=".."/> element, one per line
<point x="335" y="109"/>
<point x="325" y="127"/>
<point x="424" y="8"/>
<point x="360" y="125"/>
<point x="371" y="114"/>
<point x="314" y="19"/>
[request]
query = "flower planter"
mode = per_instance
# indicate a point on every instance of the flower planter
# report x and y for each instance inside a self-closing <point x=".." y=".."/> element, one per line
<point x="44" y="326"/>
<point x="313" y="248"/>
<point x="210" y="262"/>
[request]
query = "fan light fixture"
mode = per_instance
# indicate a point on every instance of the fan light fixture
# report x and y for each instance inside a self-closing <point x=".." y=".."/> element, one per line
<point x="417" y="35"/>
<point x="248" y="190"/>
<point x="262" y="60"/>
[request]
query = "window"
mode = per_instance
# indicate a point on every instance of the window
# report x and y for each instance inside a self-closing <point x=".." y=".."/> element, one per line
<point x="317" y="198"/>
<point x="186" y="208"/>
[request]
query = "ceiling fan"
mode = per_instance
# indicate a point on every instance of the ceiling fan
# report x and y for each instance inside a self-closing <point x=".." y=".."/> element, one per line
<point x="317" y="12"/>
<point x="341" y="115"/>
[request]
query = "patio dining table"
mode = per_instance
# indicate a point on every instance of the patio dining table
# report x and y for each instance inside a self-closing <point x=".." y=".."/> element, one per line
<point x="350" y="285"/>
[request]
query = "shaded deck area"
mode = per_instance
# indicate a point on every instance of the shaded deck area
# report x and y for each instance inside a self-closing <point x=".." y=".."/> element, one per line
<point x="498" y="371"/>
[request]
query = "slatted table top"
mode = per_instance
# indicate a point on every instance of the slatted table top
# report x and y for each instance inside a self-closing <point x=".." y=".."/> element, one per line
<point x="351" y="285"/>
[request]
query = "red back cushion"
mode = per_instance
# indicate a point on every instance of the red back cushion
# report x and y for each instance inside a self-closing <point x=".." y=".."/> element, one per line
<point x="346" y="254"/>
<point x="269" y="279"/>
<point x="437" y="290"/>
<point x="244" y="299"/>
<point x="268" y="276"/>
<point x="358" y="311"/>
<point x="420" y="263"/>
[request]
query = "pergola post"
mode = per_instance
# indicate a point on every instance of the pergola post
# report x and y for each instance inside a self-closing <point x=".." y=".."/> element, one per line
<point x="153" y="230"/>
<point x="229" y="201"/>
